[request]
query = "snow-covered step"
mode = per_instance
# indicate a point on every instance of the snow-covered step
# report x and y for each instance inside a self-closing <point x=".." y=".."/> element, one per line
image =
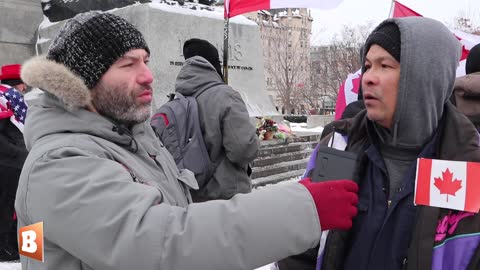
<point x="277" y="178"/>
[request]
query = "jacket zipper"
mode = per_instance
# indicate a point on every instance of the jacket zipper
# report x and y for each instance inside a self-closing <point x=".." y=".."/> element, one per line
<point x="134" y="177"/>
<point x="132" y="174"/>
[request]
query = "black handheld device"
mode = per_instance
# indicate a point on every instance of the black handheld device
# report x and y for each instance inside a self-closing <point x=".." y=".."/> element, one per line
<point x="333" y="164"/>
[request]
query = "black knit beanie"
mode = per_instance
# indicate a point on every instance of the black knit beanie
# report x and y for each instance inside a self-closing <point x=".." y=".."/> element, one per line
<point x="387" y="37"/>
<point x="205" y="49"/>
<point x="89" y="43"/>
<point x="473" y="60"/>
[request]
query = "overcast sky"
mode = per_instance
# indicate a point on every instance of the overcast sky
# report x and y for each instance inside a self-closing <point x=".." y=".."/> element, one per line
<point x="355" y="12"/>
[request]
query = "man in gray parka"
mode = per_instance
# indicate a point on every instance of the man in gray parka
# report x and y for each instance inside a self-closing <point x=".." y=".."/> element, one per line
<point x="111" y="196"/>
<point x="229" y="136"/>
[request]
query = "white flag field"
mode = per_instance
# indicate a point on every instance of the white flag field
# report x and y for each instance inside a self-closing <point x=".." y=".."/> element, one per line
<point x="322" y="4"/>
<point x="236" y="7"/>
<point x="448" y="184"/>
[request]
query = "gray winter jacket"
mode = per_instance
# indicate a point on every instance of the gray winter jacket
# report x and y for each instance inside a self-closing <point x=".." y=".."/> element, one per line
<point x="116" y="200"/>
<point x="228" y="133"/>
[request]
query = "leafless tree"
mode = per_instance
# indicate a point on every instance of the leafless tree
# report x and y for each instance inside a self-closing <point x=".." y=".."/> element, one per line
<point x="467" y="22"/>
<point x="287" y="67"/>
<point x="338" y="59"/>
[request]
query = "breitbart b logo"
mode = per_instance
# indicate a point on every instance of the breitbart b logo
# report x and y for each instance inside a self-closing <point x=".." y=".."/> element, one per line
<point x="30" y="242"/>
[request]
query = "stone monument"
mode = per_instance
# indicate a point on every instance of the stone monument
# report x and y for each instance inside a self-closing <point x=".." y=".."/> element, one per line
<point x="166" y="25"/>
<point x="19" y="20"/>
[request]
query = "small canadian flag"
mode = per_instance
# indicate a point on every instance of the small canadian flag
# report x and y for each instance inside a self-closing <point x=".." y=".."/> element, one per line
<point x="448" y="184"/>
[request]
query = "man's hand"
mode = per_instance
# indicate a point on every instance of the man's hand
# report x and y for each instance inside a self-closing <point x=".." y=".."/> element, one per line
<point x="336" y="202"/>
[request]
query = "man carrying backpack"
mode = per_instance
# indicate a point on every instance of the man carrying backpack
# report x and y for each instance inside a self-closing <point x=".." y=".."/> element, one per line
<point x="466" y="93"/>
<point x="229" y="135"/>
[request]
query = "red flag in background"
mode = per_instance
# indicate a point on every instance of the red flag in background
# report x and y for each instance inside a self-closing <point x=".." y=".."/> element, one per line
<point x="236" y="7"/>
<point x="347" y="93"/>
<point x="400" y="10"/>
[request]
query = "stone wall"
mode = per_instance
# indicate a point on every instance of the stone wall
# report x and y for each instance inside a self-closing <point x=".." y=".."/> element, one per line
<point x="19" y="20"/>
<point x="166" y="28"/>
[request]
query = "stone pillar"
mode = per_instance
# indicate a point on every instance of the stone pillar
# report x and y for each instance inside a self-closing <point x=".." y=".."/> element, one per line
<point x="19" y="20"/>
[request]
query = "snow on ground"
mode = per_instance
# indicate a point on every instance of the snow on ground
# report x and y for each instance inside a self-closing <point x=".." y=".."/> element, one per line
<point x="300" y="129"/>
<point x="217" y="13"/>
<point x="291" y="180"/>
<point x="11" y="266"/>
<point x="266" y="267"/>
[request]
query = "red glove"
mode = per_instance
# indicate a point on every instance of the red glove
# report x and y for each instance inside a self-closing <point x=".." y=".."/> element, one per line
<point x="336" y="202"/>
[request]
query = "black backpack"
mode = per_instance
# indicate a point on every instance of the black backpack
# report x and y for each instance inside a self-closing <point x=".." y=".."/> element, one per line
<point x="177" y="124"/>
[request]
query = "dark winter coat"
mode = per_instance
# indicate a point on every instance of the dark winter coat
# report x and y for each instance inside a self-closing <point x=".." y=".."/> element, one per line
<point x="227" y="130"/>
<point x="389" y="231"/>
<point x="12" y="146"/>
<point x="466" y="97"/>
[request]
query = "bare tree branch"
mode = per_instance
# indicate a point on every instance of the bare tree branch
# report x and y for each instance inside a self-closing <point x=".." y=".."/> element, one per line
<point x="287" y="68"/>
<point x="339" y="59"/>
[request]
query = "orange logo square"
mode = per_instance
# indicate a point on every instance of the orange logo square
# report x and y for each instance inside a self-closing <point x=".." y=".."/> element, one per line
<point x="30" y="241"/>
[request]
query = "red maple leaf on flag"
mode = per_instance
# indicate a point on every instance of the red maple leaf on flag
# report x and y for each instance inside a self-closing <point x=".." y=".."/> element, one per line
<point x="446" y="185"/>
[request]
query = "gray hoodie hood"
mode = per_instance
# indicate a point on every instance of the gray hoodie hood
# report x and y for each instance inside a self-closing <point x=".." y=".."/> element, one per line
<point x="197" y="74"/>
<point x="428" y="63"/>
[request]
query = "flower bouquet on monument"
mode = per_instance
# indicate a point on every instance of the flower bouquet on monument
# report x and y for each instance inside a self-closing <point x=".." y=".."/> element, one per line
<point x="266" y="128"/>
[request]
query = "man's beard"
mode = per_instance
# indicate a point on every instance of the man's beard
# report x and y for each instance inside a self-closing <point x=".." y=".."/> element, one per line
<point x="119" y="106"/>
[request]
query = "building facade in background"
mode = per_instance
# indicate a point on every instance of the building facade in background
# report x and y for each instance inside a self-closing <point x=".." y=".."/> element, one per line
<point x="318" y="57"/>
<point x="286" y="50"/>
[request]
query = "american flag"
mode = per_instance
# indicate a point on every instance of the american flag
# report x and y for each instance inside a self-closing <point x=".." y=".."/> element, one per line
<point x="12" y="106"/>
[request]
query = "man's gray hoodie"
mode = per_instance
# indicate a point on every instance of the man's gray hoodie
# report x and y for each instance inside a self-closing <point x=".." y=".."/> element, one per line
<point x="422" y="93"/>
<point x="227" y="131"/>
<point x="113" y="198"/>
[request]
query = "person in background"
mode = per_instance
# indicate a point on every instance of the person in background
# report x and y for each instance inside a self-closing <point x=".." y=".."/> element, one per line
<point x="229" y="135"/>
<point x="466" y="92"/>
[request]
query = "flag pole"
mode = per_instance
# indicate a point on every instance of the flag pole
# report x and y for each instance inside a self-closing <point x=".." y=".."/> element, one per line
<point x="225" y="48"/>
<point x="390" y="15"/>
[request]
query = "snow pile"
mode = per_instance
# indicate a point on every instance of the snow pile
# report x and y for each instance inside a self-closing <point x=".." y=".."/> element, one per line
<point x="12" y="266"/>
<point x="199" y="11"/>
<point x="266" y="267"/>
<point x="300" y="129"/>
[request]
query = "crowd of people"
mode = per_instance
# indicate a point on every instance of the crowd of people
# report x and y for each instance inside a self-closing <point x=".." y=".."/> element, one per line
<point x="87" y="162"/>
